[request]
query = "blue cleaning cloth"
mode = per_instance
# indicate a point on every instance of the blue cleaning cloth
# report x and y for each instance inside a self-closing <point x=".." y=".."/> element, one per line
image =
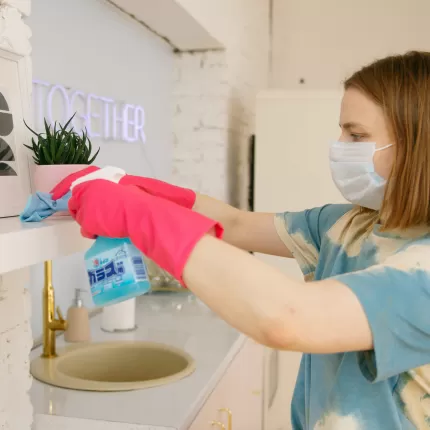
<point x="40" y="206"/>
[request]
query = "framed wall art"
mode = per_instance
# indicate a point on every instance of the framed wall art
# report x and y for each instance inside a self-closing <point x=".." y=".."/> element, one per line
<point x="15" y="105"/>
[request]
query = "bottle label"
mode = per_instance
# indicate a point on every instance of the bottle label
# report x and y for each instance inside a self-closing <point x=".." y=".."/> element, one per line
<point x="118" y="267"/>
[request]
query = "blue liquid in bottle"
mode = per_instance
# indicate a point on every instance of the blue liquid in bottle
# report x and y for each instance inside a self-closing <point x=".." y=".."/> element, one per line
<point x="116" y="271"/>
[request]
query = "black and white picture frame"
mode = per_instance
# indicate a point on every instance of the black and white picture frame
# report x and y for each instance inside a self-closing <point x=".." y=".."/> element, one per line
<point x="15" y="105"/>
<point x="7" y="146"/>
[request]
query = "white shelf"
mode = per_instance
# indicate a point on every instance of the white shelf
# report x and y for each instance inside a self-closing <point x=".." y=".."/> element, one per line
<point x="25" y="244"/>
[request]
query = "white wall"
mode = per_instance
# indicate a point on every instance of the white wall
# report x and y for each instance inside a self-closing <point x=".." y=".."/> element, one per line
<point x="325" y="41"/>
<point x="91" y="46"/>
<point x="215" y="97"/>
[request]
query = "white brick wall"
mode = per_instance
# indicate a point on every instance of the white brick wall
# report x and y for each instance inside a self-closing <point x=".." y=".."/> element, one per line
<point x="214" y="99"/>
<point x="16" y="412"/>
<point x="201" y="122"/>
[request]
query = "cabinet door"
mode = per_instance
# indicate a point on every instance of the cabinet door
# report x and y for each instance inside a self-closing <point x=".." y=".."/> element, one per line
<point x="239" y="391"/>
<point x="281" y="368"/>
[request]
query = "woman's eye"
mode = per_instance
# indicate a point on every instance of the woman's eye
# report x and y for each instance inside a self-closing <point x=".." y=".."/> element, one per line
<point x="356" y="137"/>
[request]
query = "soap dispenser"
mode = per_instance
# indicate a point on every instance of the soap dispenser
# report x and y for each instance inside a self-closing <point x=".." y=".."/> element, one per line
<point x="78" y="321"/>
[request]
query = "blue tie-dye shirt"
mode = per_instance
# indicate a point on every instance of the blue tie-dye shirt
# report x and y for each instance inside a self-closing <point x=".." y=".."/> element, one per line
<point x="387" y="388"/>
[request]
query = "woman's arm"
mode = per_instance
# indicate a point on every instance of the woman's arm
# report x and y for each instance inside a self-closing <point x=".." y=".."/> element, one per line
<point x="250" y="231"/>
<point x="246" y="230"/>
<point x="282" y="313"/>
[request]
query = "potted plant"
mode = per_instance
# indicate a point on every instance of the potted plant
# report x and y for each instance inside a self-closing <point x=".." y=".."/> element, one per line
<point x="57" y="153"/>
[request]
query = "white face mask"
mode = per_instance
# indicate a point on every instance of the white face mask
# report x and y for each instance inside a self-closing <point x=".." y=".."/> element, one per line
<point x="354" y="173"/>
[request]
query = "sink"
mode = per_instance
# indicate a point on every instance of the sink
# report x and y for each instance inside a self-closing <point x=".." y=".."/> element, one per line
<point x="113" y="366"/>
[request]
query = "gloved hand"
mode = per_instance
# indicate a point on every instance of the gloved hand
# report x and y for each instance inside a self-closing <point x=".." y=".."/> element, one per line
<point x="63" y="187"/>
<point x="181" y="196"/>
<point x="164" y="231"/>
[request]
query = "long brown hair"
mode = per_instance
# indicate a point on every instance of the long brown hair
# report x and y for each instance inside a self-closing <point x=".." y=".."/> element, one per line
<point x="401" y="86"/>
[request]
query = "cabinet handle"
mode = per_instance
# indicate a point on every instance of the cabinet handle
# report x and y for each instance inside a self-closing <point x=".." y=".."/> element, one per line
<point x="218" y="424"/>
<point x="230" y="417"/>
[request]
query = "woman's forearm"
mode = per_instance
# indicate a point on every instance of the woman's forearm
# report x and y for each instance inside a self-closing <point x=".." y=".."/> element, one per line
<point x="318" y="317"/>
<point x="217" y="210"/>
<point x="250" y="231"/>
<point x="250" y="295"/>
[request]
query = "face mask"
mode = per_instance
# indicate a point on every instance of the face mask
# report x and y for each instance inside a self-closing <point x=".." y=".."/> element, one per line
<point x="354" y="173"/>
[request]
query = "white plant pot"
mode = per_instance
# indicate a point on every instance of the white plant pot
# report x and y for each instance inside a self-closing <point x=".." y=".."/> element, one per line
<point x="44" y="178"/>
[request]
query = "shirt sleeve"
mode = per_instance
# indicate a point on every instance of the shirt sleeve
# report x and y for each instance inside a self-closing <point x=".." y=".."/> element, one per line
<point x="302" y="233"/>
<point x="395" y="296"/>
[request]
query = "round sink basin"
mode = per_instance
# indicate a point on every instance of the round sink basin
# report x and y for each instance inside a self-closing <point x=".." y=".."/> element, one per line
<point x="114" y="366"/>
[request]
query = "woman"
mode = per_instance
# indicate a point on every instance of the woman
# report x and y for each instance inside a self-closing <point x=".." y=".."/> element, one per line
<point x="364" y="321"/>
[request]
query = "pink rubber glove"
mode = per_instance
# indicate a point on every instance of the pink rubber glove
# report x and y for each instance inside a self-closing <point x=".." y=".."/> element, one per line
<point x="63" y="187"/>
<point x="164" y="231"/>
<point x="181" y="196"/>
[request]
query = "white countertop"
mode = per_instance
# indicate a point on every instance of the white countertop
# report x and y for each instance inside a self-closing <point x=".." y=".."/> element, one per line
<point x="177" y="319"/>
<point x="25" y="244"/>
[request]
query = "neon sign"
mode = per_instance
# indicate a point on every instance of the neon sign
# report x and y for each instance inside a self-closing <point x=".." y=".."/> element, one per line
<point x="102" y="117"/>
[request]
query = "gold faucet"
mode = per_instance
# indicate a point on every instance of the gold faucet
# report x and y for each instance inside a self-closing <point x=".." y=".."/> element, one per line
<point x="50" y="323"/>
